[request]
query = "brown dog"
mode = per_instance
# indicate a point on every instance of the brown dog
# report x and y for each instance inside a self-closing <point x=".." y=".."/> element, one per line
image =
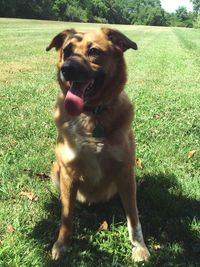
<point x="95" y="144"/>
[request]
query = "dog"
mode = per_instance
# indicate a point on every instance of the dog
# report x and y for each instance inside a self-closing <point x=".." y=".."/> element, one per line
<point x="95" y="144"/>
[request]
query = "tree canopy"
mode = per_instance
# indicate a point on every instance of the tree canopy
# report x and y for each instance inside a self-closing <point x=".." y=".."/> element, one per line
<point x="143" y="12"/>
<point x="196" y="5"/>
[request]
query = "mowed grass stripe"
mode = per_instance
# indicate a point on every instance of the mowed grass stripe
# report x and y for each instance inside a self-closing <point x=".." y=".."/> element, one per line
<point x="164" y="85"/>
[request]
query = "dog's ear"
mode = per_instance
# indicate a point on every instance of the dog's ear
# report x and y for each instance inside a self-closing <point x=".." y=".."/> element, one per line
<point x="119" y="39"/>
<point x="59" y="39"/>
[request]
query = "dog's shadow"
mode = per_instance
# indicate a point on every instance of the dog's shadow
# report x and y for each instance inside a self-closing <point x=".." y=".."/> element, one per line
<point x="167" y="217"/>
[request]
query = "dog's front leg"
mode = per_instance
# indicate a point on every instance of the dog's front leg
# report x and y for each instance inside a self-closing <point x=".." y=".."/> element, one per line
<point x="68" y="191"/>
<point x="127" y="191"/>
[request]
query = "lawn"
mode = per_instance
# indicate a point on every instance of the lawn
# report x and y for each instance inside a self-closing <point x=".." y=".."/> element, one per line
<point x="164" y="84"/>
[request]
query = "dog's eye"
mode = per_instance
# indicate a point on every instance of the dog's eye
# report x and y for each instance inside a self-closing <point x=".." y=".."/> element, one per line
<point x="67" y="51"/>
<point x="94" y="52"/>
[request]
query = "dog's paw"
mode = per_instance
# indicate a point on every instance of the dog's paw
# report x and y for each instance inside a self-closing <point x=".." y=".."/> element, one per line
<point x="58" y="250"/>
<point x="140" y="254"/>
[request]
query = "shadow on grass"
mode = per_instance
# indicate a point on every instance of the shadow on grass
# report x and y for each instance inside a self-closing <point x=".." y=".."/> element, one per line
<point x="87" y="220"/>
<point x="166" y="217"/>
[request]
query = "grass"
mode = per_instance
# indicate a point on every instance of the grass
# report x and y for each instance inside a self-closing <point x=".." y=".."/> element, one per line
<point x="164" y="85"/>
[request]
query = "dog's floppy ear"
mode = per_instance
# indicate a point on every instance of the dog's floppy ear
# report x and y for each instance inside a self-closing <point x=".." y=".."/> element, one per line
<point x="119" y="39"/>
<point x="59" y="39"/>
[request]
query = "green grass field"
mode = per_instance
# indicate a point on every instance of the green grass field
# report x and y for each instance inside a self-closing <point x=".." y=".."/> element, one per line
<point x="164" y="84"/>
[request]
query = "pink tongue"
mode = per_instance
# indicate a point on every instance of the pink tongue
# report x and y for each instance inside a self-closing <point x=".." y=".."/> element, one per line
<point x="73" y="104"/>
<point x="74" y="100"/>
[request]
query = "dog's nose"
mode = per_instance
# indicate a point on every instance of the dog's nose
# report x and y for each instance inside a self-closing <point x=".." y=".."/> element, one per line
<point x="76" y="69"/>
<point x="68" y="70"/>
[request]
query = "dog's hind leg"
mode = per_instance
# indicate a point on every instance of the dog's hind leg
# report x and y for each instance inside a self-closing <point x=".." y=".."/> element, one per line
<point x="127" y="191"/>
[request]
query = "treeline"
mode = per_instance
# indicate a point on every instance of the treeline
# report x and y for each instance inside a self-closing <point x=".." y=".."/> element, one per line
<point x="141" y="12"/>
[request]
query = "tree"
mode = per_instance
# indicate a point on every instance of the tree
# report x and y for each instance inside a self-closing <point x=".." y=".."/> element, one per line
<point x="97" y="11"/>
<point x="41" y="9"/>
<point x="69" y="10"/>
<point x="182" y="14"/>
<point x="147" y="12"/>
<point x="156" y="17"/>
<point x="196" y="6"/>
<point x="116" y="12"/>
<point x="182" y="18"/>
<point x="8" y="8"/>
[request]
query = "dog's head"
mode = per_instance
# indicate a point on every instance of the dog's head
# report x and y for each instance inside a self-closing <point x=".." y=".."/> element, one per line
<point x="91" y="68"/>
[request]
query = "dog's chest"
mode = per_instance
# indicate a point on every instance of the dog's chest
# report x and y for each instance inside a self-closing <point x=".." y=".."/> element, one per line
<point x="81" y="144"/>
<point x="81" y="135"/>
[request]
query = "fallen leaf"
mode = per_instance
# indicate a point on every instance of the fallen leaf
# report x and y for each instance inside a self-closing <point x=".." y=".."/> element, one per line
<point x="83" y="237"/>
<point x="191" y="154"/>
<point x="46" y="190"/>
<point x="156" y="115"/>
<point x="103" y="226"/>
<point x="157" y="247"/>
<point x="29" y="195"/>
<point x="139" y="163"/>
<point x="42" y="176"/>
<point x="10" y="228"/>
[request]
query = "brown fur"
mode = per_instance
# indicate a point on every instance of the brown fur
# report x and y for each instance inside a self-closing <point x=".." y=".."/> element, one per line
<point x="94" y="169"/>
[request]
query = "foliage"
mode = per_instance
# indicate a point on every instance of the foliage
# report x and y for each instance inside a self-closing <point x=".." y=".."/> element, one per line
<point x="196" y="5"/>
<point x="143" y="12"/>
<point x="148" y="15"/>
<point x="69" y="10"/>
<point x="196" y="23"/>
<point x="183" y="18"/>
<point x="181" y="13"/>
<point x="41" y="9"/>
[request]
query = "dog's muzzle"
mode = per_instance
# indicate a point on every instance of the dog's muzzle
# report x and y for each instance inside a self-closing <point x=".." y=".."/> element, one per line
<point x="75" y="69"/>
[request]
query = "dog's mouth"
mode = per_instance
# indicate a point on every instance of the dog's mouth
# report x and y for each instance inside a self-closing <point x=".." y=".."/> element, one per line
<point x="78" y="95"/>
<point x="82" y="91"/>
